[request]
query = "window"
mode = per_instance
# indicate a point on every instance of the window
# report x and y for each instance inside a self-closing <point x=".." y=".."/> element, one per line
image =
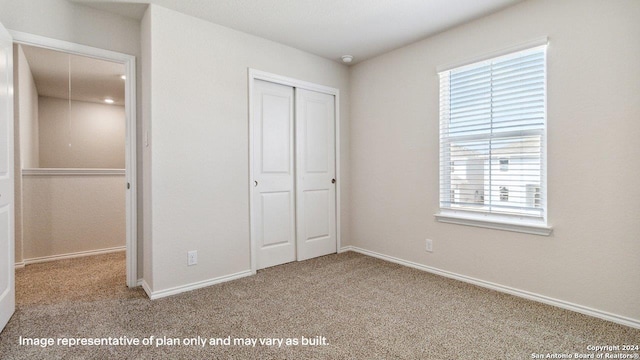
<point x="504" y="164"/>
<point x="533" y="195"/>
<point x="492" y="127"/>
<point x="504" y="193"/>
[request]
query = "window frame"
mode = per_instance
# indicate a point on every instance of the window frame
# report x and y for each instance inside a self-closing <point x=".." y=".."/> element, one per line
<point x="509" y="222"/>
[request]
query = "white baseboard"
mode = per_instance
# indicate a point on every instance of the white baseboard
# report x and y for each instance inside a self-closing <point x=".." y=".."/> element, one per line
<point x="347" y="248"/>
<point x="153" y="295"/>
<point x="634" y="323"/>
<point x="19" y="265"/>
<point x="146" y="288"/>
<point x="72" y="255"/>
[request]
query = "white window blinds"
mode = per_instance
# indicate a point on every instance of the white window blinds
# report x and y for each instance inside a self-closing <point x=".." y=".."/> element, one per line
<point x="492" y="134"/>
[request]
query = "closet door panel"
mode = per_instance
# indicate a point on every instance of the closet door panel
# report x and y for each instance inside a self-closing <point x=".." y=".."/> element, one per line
<point x="273" y="211"/>
<point x="315" y="174"/>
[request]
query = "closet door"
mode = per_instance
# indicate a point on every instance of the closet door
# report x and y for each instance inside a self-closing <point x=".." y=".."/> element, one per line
<point x="315" y="169"/>
<point x="273" y="211"/>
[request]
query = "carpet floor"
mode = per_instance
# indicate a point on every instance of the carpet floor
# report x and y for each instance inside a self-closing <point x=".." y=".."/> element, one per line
<point x="343" y="306"/>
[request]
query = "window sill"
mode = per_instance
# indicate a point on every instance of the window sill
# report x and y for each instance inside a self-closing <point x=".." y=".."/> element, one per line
<point x="527" y="227"/>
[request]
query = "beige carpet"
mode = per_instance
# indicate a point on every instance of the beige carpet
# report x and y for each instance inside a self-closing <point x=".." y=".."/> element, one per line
<point x="364" y="307"/>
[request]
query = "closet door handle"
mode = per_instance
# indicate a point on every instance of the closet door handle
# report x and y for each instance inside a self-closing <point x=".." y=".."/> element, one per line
<point x="333" y="181"/>
<point x="255" y="183"/>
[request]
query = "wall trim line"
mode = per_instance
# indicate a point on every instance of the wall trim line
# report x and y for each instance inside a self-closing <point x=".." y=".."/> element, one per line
<point x="67" y="172"/>
<point x="153" y="295"/>
<point x="618" y="319"/>
<point x="72" y="255"/>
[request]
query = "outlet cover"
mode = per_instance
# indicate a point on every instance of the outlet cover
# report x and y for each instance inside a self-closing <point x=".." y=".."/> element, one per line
<point x="429" y="245"/>
<point x="192" y="257"/>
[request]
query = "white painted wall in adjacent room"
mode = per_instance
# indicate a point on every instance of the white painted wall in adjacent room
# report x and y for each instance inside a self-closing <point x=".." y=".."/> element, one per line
<point x="93" y="136"/>
<point x="591" y="259"/>
<point x="72" y="213"/>
<point x="199" y="133"/>
<point x="27" y="113"/>
<point x="25" y="134"/>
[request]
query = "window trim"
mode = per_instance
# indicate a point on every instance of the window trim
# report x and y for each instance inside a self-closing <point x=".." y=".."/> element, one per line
<point x="535" y="226"/>
<point x="506" y="222"/>
<point x="494" y="54"/>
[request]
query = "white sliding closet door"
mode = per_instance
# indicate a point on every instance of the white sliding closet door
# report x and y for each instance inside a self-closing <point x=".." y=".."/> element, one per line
<point x="316" y="172"/>
<point x="273" y="205"/>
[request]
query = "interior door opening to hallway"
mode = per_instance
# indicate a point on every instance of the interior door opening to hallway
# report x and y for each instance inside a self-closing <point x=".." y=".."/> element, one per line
<point x="293" y="171"/>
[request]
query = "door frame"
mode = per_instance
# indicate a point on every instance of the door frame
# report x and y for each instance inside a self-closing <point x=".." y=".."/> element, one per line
<point x="8" y="295"/>
<point x="254" y="75"/>
<point x="129" y="62"/>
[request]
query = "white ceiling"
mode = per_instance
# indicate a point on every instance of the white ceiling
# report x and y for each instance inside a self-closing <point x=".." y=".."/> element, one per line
<point x="91" y="79"/>
<point x="329" y="28"/>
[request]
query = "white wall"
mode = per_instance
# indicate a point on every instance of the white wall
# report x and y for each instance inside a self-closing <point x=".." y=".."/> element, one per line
<point x="199" y="130"/>
<point x="72" y="213"/>
<point x="65" y="20"/>
<point x="145" y="105"/>
<point x="26" y="138"/>
<point x="27" y="113"/>
<point x="25" y="133"/>
<point x="591" y="259"/>
<point x="95" y="131"/>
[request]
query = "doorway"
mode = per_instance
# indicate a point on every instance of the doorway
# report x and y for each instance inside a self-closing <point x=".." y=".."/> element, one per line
<point x="110" y="166"/>
<point x="294" y="170"/>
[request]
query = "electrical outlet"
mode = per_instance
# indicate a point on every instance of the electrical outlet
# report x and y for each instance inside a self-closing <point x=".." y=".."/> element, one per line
<point x="429" y="245"/>
<point x="192" y="257"/>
